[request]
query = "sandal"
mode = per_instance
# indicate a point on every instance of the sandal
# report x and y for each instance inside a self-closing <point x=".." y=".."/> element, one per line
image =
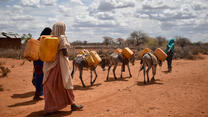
<point x="75" y="107"/>
<point x="37" y="98"/>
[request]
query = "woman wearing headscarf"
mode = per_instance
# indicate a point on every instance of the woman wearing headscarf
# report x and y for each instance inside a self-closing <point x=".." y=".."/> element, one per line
<point x="57" y="82"/>
<point x="170" y="52"/>
<point x="38" y="71"/>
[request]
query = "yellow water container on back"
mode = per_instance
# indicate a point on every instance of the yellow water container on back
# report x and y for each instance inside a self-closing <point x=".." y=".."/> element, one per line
<point x="127" y="52"/>
<point x="95" y="57"/>
<point x="48" y="48"/>
<point x="118" y="50"/>
<point x="31" y="51"/>
<point x="160" y="54"/>
<point x="90" y="60"/>
<point x="146" y="50"/>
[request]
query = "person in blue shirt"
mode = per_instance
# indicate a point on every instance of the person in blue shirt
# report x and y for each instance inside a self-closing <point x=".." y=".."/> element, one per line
<point x="38" y="71"/>
<point x="170" y="52"/>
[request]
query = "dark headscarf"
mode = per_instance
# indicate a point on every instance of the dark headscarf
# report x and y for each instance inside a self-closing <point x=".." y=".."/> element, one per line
<point x="46" y="31"/>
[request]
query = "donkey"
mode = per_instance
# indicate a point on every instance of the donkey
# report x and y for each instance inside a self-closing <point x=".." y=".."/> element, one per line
<point x="80" y="63"/>
<point x="151" y="61"/>
<point x="115" y="59"/>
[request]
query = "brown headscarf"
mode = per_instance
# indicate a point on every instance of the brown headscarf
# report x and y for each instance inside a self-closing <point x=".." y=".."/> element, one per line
<point x="59" y="29"/>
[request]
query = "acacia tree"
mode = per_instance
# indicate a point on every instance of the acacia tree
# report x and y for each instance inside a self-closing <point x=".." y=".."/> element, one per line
<point x="120" y="41"/>
<point x="139" y="37"/>
<point x="108" y="40"/>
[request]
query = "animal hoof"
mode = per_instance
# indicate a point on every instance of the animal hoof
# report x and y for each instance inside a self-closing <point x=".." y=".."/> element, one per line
<point x="152" y="80"/>
<point x="91" y="83"/>
<point x="130" y="75"/>
<point x="144" y="82"/>
<point x="115" y="77"/>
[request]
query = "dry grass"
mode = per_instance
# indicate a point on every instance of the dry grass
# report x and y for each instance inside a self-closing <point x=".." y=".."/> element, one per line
<point x="4" y="71"/>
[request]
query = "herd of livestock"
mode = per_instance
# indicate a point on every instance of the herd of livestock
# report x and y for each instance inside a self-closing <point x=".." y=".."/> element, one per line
<point x="148" y="58"/>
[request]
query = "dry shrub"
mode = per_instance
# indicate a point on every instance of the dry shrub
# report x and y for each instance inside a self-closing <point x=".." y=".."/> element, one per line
<point x="4" y="71"/>
<point x="23" y="62"/>
<point x="188" y="52"/>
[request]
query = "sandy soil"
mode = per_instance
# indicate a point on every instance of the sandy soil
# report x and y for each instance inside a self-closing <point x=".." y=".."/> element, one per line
<point x="181" y="93"/>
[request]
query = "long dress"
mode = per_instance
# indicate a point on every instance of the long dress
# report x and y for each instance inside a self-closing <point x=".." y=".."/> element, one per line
<point x="57" y="82"/>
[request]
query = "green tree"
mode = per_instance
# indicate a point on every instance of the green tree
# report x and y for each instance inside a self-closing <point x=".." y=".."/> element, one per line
<point x="26" y="37"/>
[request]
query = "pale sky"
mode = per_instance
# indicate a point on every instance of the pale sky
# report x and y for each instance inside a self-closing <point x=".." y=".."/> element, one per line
<point x="90" y="20"/>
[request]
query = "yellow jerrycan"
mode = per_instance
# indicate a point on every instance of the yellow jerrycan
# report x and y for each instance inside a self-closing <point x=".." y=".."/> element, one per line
<point x="95" y="57"/>
<point x="160" y="54"/>
<point x="48" y="48"/>
<point x="127" y="52"/>
<point x="32" y="48"/>
<point x="118" y="50"/>
<point x="146" y="50"/>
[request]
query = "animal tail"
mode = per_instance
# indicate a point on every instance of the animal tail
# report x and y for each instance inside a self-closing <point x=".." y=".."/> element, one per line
<point x="141" y="68"/>
<point x="73" y="69"/>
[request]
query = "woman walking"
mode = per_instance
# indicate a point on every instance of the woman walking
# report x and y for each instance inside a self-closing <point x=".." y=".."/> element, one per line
<point x="170" y="52"/>
<point x="57" y="82"/>
<point x="38" y="71"/>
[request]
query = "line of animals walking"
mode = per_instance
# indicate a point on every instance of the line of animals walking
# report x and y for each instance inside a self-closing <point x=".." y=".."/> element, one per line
<point x="52" y="76"/>
<point x="147" y="57"/>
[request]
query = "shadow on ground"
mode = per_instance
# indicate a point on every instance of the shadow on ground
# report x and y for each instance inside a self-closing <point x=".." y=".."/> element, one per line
<point x="24" y="95"/>
<point x="1" y="88"/>
<point x="80" y="87"/>
<point x="112" y="79"/>
<point x="55" y="114"/>
<point x="156" y="82"/>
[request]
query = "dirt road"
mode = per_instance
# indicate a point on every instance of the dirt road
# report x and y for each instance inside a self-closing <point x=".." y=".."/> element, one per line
<point x="181" y="93"/>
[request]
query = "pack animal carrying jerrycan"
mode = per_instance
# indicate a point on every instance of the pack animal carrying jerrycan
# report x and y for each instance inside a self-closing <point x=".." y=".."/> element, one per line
<point x="118" y="50"/>
<point x="95" y="57"/>
<point x="90" y="60"/>
<point x="161" y="55"/>
<point x="31" y="51"/>
<point x="84" y="51"/>
<point x="146" y="50"/>
<point x="48" y="48"/>
<point x="127" y="53"/>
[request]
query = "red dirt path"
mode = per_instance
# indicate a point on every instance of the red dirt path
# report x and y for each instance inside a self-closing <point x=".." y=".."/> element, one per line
<point x="181" y="93"/>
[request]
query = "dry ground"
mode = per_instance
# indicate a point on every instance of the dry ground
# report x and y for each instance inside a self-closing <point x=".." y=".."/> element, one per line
<point x="181" y="93"/>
